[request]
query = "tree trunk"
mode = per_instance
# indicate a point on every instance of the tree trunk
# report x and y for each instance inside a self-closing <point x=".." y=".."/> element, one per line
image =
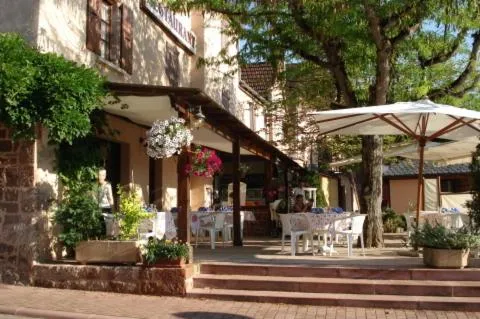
<point x="371" y="195"/>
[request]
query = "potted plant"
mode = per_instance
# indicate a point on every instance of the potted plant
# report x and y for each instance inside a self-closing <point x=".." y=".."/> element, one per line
<point x="131" y="212"/>
<point x="165" y="253"/>
<point x="444" y="248"/>
<point x="166" y="138"/>
<point x="204" y="162"/>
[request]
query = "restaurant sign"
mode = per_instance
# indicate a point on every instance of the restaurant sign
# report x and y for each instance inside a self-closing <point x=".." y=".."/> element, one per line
<point x="168" y="20"/>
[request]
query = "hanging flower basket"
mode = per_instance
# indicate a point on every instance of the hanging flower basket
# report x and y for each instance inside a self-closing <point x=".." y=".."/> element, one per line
<point x="203" y="162"/>
<point x="166" y="138"/>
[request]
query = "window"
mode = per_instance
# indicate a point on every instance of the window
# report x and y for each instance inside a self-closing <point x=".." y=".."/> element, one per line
<point x="109" y="32"/>
<point x="458" y="184"/>
<point x="105" y="29"/>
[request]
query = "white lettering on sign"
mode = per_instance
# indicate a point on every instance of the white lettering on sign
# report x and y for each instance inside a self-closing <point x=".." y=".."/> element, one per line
<point x="166" y="18"/>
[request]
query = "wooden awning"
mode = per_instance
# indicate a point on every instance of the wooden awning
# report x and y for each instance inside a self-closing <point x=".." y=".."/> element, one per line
<point x="218" y="118"/>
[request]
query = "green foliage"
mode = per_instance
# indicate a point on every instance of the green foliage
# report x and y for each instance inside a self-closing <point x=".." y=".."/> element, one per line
<point x="157" y="249"/>
<point x="392" y="221"/>
<point x="314" y="179"/>
<point x="474" y="204"/>
<point x="440" y="237"/>
<point x="131" y="213"/>
<point x="44" y="88"/>
<point x="73" y="168"/>
<point x="79" y="215"/>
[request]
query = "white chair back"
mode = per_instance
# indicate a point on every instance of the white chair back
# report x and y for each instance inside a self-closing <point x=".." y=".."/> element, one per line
<point x="357" y="224"/>
<point x="146" y="227"/>
<point x="273" y="209"/>
<point x="299" y="222"/>
<point x="285" y="220"/>
<point x="219" y="220"/>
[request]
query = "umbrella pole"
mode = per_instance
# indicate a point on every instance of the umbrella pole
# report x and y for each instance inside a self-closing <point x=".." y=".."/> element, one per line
<point x="420" y="179"/>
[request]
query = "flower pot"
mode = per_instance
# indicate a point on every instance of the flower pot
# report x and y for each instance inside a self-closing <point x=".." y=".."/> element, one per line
<point x="445" y="258"/>
<point x="168" y="263"/>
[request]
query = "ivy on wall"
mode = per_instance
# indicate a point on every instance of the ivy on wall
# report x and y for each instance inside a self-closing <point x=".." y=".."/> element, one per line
<point x="46" y="89"/>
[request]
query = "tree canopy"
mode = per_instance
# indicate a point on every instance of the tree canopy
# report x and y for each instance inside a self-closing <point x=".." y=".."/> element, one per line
<point x="47" y="89"/>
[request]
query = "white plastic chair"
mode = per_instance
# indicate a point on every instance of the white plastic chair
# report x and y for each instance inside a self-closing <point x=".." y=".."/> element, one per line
<point x="351" y="234"/>
<point x="213" y="224"/>
<point x="273" y="210"/>
<point x="299" y="226"/>
<point x="228" y="226"/>
<point x="285" y="220"/>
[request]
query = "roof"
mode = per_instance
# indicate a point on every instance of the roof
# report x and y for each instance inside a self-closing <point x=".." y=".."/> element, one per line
<point x="259" y="76"/>
<point x="410" y="168"/>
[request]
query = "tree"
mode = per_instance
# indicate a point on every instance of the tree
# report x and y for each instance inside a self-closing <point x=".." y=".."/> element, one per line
<point x="376" y="52"/>
<point x="474" y="204"/>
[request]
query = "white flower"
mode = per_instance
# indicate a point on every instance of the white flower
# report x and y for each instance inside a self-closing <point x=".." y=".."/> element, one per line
<point x="166" y="138"/>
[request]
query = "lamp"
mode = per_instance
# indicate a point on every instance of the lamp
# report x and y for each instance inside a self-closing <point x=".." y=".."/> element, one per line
<point x="198" y="116"/>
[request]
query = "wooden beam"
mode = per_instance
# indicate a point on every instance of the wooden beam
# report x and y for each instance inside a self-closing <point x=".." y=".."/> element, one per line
<point x="237" y="234"/>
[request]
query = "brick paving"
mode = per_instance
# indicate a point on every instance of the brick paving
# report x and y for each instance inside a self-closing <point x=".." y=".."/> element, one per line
<point x="135" y="306"/>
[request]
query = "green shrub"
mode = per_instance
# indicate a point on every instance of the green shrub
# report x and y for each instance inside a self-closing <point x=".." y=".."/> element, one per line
<point x="79" y="215"/>
<point x="157" y="249"/>
<point x="440" y="237"/>
<point x="392" y="221"/>
<point x="47" y="89"/>
<point x="131" y="213"/>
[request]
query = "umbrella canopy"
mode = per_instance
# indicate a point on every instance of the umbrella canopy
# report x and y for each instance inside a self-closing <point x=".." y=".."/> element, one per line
<point x="422" y="120"/>
<point x="434" y="151"/>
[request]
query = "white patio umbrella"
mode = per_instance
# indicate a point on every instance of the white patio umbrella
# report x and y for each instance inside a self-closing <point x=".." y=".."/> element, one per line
<point x="434" y="151"/>
<point x="422" y="120"/>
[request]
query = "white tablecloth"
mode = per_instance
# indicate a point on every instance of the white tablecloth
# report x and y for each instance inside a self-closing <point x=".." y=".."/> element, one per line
<point x="165" y="225"/>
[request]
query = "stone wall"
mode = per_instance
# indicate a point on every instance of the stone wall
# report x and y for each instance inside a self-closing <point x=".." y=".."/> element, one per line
<point x="121" y="279"/>
<point x="17" y="208"/>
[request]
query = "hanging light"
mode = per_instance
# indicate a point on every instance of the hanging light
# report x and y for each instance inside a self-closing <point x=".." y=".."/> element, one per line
<point x="198" y="117"/>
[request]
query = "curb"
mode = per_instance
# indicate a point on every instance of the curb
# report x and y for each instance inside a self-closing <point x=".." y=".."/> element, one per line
<point x="52" y="314"/>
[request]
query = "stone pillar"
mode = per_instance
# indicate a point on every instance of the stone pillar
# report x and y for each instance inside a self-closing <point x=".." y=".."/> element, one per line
<point x="17" y="208"/>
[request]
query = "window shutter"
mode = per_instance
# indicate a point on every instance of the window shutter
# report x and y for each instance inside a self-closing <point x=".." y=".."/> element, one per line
<point x="126" y="59"/>
<point x="93" y="26"/>
<point x="116" y="34"/>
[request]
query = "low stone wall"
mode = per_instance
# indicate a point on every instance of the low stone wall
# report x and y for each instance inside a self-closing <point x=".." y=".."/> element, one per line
<point x="18" y="208"/>
<point x="120" y="279"/>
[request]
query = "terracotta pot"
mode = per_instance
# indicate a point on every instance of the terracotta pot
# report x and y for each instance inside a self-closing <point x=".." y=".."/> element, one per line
<point x="445" y="258"/>
<point x="168" y="263"/>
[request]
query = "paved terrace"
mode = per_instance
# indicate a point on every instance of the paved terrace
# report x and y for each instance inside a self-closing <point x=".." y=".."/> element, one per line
<point x="268" y="251"/>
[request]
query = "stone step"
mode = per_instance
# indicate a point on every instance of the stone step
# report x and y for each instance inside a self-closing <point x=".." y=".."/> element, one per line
<point x="372" y="273"/>
<point x="339" y="285"/>
<point x="344" y="300"/>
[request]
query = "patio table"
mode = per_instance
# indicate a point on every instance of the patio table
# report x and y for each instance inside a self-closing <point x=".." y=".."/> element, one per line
<point x="325" y="224"/>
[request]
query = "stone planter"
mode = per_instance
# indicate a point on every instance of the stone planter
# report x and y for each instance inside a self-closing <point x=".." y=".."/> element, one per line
<point x="168" y="263"/>
<point x="445" y="258"/>
<point x="108" y="251"/>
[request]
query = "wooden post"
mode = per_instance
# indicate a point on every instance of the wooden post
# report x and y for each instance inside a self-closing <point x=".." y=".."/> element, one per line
<point x="287" y="187"/>
<point x="420" y="179"/>
<point x="268" y="168"/>
<point x="183" y="192"/>
<point x="237" y="229"/>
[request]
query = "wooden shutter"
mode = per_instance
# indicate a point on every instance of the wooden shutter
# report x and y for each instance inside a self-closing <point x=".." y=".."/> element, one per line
<point x="126" y="59"/>
<point x="115" y="34"/>
<point x="93" y="25"/>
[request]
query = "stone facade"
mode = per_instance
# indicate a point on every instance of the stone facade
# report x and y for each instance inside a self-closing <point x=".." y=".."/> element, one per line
<point x="18" y="208"/>
<point x="122" y="279"/>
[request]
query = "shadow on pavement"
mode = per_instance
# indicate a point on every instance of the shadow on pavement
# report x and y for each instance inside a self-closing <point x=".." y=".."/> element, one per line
<point x="206" y="315"/>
